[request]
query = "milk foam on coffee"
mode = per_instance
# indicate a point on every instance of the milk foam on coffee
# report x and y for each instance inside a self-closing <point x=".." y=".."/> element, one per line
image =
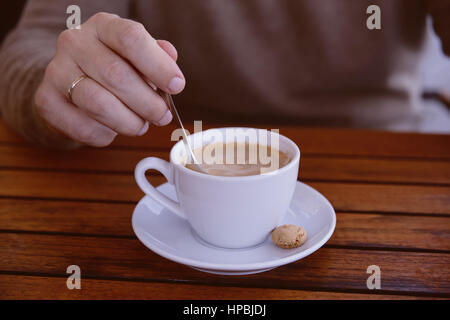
<point x="239" y="159"/>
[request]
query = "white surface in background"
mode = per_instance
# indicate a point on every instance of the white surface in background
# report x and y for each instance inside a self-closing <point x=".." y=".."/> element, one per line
<point x="436" y="65"/>
<point x="435" y="69"/>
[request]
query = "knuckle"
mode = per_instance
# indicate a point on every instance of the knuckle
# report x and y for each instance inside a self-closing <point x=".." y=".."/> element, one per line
<point x="51" y="69"/>
<point x="99" y="16"/>
<point x="66" y="39"/>
<point x="131" y="33"/>
<point x="103" y="16"/>
<point x="53" y="76"/>
<point x="41" y="100"/>
<point x="117" y="73"/>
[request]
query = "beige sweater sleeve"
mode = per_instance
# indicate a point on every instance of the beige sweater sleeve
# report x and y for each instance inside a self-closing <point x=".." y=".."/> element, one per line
<point x="24" y="56"/>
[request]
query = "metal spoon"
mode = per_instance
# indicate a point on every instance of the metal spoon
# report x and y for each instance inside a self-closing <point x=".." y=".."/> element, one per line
<point x="195" y="165"/>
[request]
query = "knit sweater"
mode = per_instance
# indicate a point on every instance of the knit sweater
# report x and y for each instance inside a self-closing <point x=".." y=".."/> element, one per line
<point x="308" y="61"/>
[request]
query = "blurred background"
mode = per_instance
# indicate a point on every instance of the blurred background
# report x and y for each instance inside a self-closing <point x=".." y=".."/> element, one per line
<point x="435" y="66"/>
<point x="9" y="15"/>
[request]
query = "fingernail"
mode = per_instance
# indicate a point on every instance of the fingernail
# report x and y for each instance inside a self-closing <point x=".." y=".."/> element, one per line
<point x="176" y="85"/>
<point x="165" y="119"/>
<point x="144" y="129"/>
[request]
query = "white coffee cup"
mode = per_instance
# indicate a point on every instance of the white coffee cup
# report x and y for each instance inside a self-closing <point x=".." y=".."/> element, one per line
<point x="229" y="212"/>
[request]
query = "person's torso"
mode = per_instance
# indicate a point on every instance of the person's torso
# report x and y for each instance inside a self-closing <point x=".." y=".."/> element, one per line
<point x="302" y="59"/>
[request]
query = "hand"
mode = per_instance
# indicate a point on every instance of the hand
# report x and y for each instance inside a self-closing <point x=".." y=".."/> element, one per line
<point x="121" y="62"/>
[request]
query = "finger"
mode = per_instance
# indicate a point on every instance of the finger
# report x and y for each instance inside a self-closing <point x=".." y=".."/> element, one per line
<point x="65" y="117"/>
<point x="95" y="100"/>
<point x="121" y="79"/>
<point x="131" y="41"/>
<point x="168" y="48"/>
<point x="103" y="106"/>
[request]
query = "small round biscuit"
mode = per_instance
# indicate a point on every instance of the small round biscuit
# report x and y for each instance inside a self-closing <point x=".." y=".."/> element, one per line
<point x="289" y="236"/>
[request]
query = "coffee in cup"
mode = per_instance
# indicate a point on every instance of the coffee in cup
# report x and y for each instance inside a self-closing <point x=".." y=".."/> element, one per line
<point x="239" y="159"/>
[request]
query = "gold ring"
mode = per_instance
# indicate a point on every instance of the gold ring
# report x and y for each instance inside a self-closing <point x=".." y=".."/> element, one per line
<point x="72" y="86"/>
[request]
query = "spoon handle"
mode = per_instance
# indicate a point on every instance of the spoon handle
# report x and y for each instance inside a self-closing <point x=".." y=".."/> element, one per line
<point x="171" y="105"/>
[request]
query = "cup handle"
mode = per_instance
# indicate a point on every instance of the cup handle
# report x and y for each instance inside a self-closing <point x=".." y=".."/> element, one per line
<point x="165" y="168"/>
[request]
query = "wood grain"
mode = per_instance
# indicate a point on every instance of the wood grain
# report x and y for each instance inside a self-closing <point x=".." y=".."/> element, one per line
<point x="83" y="159"/>
<point x="324" y="168"/>
<point x="328" y="141"/>
<point x="106" y="219"/>
<point x="326" y="269"/>
<point x="323" y="141"/>
<point x="7" y="135"/>
<point x="386" y="198"/>
<point x="391" y="191"/>
<point x="32" y="287"/>
<point x="392" y="231"/>
<point x="122" y="187"/>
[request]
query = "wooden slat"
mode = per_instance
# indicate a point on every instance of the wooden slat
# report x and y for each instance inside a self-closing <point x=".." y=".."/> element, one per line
<point x="361" y="230"/>
<point x="386" y="198"/>
<point x="311" y="167"/>
<point x="72" y="185"/>
<point x="328" y="141"/>
<point x="311" y="140"/>
<point x="122" y="187"/>
<point x="328" y="268"/>
<point x="9" y="136"/>
<point x="33" y="287"/>
<point x="66" y="217"/>
<point x="370" y="143"/>
<point x="84" y="159"/>
<point x="375" y="170"/>
<point x="392" y="231"/>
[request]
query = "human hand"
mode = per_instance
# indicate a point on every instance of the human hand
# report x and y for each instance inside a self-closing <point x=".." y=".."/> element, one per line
<point x="121" y="64"/>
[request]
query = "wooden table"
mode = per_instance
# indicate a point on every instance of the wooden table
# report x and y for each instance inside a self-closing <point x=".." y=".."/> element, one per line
<point x="391" y="193"/>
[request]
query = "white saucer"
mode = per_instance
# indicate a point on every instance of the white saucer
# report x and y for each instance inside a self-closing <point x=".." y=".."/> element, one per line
<point x="171" y="237"/>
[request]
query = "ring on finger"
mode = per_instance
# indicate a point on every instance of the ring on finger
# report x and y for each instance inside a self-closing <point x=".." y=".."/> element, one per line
<point x="72" y="86"/>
